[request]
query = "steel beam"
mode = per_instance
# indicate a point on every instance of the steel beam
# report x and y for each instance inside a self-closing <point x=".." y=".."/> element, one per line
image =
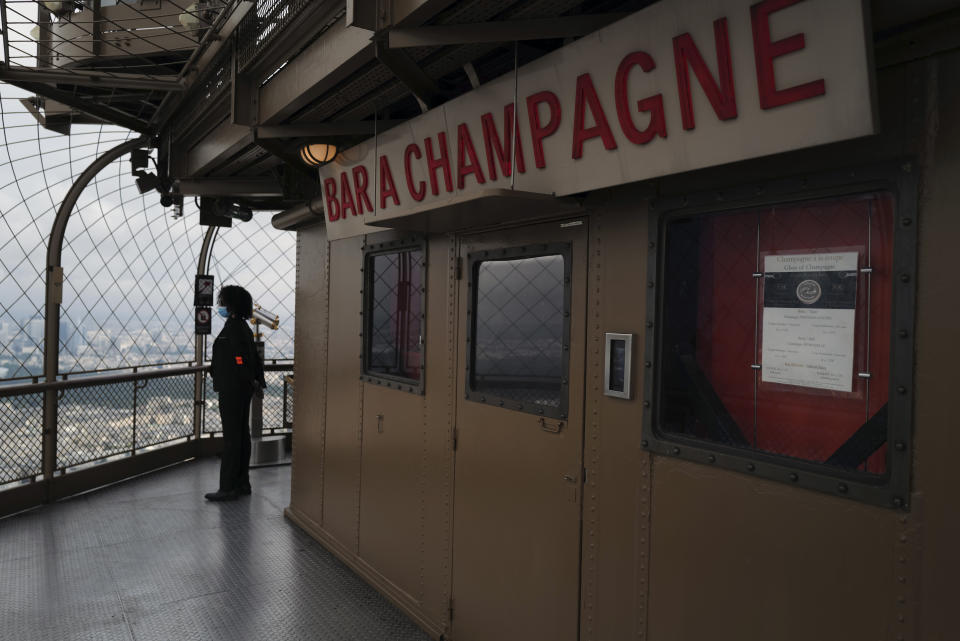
<point x="88" y="106"/>
<point x="410" y="74"/>
<point x="458" y="34"/>
<point x="92" y="79"/>
<point x="248" y="187"/>
<point x="54" y="295"/>
<point x="323" y="129"/>
<point x="199" y="379"/>
<point x="207" y="50"/>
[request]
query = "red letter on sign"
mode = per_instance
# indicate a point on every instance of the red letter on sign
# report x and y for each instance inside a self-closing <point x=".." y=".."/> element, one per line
<point x="765" y="51"/>
<point x="360" y="181"/>
<point x="722" y="98"/>
<point x="436" y="163"/>
<point x="491" y="141"/>
<point x="466" y="151"/>
<point x="587" y="94"/>
<point x="537" y="131"/>
<point x="653" y="104"/>
<point x="387" y="188"/>
<point x="330" y="193"/>
<point x="417" y="192"/>
<point x="346" y="196"/>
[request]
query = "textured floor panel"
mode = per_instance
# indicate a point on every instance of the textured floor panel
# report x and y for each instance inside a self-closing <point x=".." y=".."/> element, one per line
<point x="150" y="560"/>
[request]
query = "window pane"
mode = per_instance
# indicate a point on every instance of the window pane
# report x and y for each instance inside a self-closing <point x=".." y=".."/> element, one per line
<point x="394" y="314"/>
<point x="774" y="337"/>
<point x="519" y="331"/>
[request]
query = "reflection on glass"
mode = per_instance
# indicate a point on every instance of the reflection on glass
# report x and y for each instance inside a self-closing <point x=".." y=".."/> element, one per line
<point x="714" y="317"/>
<point x="519" y="330"/>
<point x="393" y="312"/>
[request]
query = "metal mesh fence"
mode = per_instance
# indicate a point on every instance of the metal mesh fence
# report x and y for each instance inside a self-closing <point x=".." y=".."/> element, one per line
<point x="274" y="419"/>
<point x="95" y="423"/>
<point x="211" y="411"/>
<point x="164" y="410"/>
<point x="261" y="259"/>
<point x="21" y="437"/>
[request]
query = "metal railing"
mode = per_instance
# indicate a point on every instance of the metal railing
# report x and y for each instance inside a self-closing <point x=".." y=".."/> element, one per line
<point x="112" y="426"/>
<point x="277" y="402"/>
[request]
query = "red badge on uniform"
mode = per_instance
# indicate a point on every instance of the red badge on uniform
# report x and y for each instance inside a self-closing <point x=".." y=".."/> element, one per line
<point x="239" y="360"/>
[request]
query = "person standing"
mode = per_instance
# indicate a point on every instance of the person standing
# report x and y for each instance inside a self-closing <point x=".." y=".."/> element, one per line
<point x="237" y="373"/>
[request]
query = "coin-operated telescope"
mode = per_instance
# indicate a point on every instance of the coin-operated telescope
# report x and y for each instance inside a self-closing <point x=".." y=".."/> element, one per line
<point x="263" y="317"/>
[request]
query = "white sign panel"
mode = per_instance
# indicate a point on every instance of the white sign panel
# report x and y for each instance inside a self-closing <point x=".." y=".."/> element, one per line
<point x="680" y="85"/>
<point x="809" y="310"/>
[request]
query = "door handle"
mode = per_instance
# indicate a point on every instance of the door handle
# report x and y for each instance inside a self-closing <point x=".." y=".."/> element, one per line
<point x="379" y="423"/>
<point x="569" y="478"/>
<point x="548" y="426"/>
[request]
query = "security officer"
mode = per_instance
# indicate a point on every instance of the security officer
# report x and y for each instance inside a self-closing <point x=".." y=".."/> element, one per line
<point x="237" y="375"/>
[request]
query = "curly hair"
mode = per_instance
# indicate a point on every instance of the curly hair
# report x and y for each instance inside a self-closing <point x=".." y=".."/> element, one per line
<point x="237" y="300"/>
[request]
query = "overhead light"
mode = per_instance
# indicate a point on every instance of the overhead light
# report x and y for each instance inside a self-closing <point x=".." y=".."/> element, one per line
<point x="318" y="154"/>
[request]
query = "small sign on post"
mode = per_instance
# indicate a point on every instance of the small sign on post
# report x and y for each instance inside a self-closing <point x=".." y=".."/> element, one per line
<point x="203" y="291"/>
<point x="202" y="321"/>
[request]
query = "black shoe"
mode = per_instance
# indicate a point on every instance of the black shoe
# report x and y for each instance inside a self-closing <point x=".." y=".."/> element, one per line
<point x="221" y="495"/>
<point x="244" y="490"/>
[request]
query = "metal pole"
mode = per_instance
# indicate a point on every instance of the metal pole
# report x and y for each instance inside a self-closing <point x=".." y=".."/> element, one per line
<point x="199" y="379"/>
<point x="54" y="296"/>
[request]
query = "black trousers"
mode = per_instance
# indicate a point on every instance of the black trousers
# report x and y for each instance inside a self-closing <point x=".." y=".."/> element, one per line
<point x="235" y="462"/>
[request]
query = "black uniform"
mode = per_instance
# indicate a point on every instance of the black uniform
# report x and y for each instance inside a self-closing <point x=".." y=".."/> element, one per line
<point x="237" y="373"/>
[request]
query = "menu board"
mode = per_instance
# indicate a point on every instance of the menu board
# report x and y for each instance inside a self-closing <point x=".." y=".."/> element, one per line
<point x="809" y="309"/>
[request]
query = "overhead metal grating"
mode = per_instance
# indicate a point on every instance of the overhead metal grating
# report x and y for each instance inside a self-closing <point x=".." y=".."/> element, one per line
<point x="114" y="61"/>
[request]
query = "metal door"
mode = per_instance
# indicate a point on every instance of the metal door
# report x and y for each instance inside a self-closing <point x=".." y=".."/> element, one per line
<point x="519" y="434"/>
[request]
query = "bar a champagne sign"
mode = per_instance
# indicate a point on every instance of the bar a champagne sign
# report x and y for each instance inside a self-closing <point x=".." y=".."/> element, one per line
<point x="680" y="85"/>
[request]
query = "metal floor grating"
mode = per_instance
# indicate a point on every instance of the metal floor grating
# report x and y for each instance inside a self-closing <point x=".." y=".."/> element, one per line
<point x="149" y="559"/>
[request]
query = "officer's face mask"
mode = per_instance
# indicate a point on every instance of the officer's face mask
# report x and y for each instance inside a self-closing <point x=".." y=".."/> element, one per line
<point x="223" y="311"/>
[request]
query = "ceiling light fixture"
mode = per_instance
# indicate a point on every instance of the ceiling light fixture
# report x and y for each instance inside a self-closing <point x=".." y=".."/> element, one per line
<point x="318" y="154"/>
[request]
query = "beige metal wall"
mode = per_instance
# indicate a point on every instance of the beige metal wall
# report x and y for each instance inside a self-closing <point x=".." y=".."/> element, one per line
<point x="372" y="471"/>
<point x="672" y="550"/>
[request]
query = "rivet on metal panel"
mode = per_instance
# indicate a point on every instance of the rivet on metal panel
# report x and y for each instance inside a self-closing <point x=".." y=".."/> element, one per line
<point x="711" y="459"/>
<point x="901" y="389"/>
<point x="842" y="488"/>
<point x="676" y="451"/>
<point x="900" y="446"/>
<point x="649" y="324"/>
<point x="903" y="333"/>
<point x="751" y="467"/>
<point x="904" y="278"/>
<point x="645" y="443"/>
<point x="650" y="284"/>
<point x="647" y="364"/>
<point x="906" y="222"/>
<point x="794" y="477"/>
<point x="646" y="403"/>
<point x="897" y="501"/>
<point x="651" y="244"/>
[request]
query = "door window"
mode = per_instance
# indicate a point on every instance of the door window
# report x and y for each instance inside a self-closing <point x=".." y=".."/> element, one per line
<point x="393" y="308"/>
<point x="520" y="328"/>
